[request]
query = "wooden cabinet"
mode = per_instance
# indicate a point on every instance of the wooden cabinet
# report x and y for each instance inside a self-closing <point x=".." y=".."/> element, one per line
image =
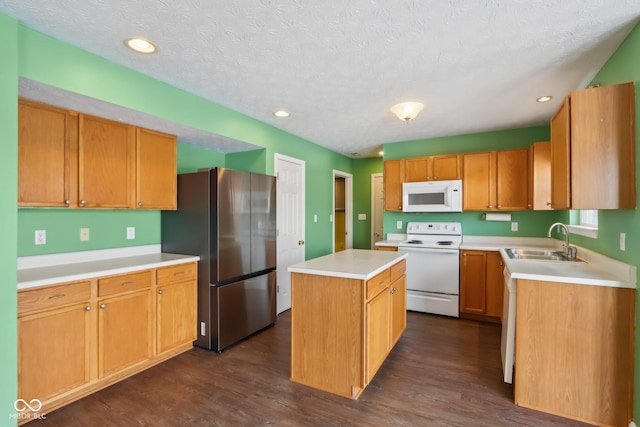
<point x="393" y="178"/>
<point x="156" y="183"/>
<point x="176" y="306"/>
<point x="45" y="163"/>
<point x="540" y="176"/>
<point x="496" y="180"/>
<point x="355" y="321"/>
<point x="433" y="168"/>
<point x="575" y="350"/>
<point x="100" y="331"/>
<point x="481" y="285"/>
<point x="593" y="149"/>
<point x="76" y="160"/>
<point x="387" y="248"/>
<point x="54" y="331"/>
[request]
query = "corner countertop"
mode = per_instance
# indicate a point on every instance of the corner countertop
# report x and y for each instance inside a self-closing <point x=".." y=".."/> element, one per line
<point x="43" y="270"/>
<point x="361" y="264"/>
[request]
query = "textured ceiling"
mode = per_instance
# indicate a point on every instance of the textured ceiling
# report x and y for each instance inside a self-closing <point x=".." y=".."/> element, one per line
<point x="338" y="66"/>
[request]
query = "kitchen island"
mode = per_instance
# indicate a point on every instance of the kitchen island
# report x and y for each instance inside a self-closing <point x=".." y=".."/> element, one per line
<point x="348" y="310"/>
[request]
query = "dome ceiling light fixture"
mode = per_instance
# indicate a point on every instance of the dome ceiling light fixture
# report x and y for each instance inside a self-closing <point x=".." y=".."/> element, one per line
<point x="407" y="110"/>
<point x="545" y="98"/>
<point x="281" y="113"/>
<point x="140" y="45"/>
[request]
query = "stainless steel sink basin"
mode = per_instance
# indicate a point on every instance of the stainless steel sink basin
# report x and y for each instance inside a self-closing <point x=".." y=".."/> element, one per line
<point x="539" y="254"/>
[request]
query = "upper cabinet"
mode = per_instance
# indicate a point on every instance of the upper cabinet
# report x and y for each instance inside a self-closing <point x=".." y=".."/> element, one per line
<point x="393" y="178"/>
<point x="496" y="180"/>
<point x="540" y="176"/>
<point x="593" y="149"/>
<point x="81" y="161"/>
<point x="433" y="168"/>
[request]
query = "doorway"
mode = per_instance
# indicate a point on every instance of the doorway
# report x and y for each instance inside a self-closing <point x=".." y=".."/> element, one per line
<point x="290" y="213"/>
<point x="342" y="211"/>
<point x="377" y="207"/>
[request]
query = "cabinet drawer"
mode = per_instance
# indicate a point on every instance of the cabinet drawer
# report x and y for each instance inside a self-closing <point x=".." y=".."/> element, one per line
<point x="398" y="270"/>
<point x="124" y="283"/>
<point x="53" y="296"/>
<point x="377" y="284"/>
<point x="175" y="273"/>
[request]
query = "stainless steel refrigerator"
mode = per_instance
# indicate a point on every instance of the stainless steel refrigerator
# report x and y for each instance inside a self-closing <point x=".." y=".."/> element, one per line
<point x="228" y="218"/>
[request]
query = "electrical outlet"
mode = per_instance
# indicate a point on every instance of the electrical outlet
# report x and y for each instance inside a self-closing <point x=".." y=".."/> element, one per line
<point x="41" y="237"/>
<point x="623" y="241"/>
<point x="131" y="233"/>
<point x="84" y="234"/>
<point x="362" y="217"/>
<point x="514" y="226"/>
<point x="399" y="225"/>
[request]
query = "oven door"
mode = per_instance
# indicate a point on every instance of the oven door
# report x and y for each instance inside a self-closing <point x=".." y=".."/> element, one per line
<point x="432" y="270"/>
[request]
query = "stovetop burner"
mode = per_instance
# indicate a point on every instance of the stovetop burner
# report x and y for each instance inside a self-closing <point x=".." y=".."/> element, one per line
<point x="444" y="235"/>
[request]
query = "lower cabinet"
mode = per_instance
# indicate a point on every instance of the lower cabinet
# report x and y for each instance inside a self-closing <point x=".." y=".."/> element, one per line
<point x="481" y="285"/>
<point x="343" y="329"/>
<point x="77" y="338"/>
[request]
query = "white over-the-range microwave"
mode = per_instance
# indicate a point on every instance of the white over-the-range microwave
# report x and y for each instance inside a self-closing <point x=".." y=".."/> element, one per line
<point x="432" y="196"/>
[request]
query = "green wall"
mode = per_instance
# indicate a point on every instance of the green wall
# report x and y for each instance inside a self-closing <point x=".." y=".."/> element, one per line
<point x="49" y="61"/>
<point x="530" y="224"/>
<point x="622" y="67"/>
<point x="8" y="197"/>
<point x="362" y="171"/>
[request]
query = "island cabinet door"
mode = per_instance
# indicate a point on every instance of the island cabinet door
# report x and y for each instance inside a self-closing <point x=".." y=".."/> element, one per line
<point x="377" y="333"/>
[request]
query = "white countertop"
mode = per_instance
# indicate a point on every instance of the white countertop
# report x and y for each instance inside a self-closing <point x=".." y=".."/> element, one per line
<point x="122" y="261"/>
<point x="359" y="264"/>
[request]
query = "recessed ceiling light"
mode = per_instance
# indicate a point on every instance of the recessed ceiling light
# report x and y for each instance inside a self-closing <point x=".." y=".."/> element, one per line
<point x="281" y="113"/>
<point x="140" y="45"/>
<point x="544" y="98"/>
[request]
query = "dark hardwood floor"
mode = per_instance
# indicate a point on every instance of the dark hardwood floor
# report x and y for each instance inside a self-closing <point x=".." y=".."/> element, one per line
<point x="442" y="372"/>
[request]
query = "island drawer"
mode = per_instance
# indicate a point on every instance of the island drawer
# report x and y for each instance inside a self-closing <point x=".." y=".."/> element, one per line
<point x="53" y="296"/>
<point x="398" y="270"/>
<point x="378" y="283"/>
<point x="124" y="283"/>
<point x="175" y="273"/>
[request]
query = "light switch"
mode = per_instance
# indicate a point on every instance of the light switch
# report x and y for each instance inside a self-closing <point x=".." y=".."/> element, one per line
<point x="362" y="217"/>
<point x="399" y="225"/>
<point x="315" y="218"/>
<point x="623" y="241"/>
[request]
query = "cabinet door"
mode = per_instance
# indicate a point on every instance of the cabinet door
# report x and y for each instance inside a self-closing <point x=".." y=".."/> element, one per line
<point x="398" y="291"/>
<point x="393" y="177"/>
<point x="54" y="351"/>
<point x="377" y="333"/>
<point x="176" y="315"/>
<point x="155" y="170"/>
<point x="512" y="176"/>
<point x="603" y="147"/>
<point x="446" y="167"/>
<point x="473" y="282"/>
<point x="540" y="176"/>
<point x="124" y="332"/>
<point x="494" y="285"/>
<point x="417" y="169"/>
<point x="44" y="158"/>
<point x="478" y="181"/>
<point x="106" y="163"/>
<point x="560" y="173"/>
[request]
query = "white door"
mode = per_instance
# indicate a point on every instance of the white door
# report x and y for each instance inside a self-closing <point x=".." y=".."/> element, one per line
<point x="377" y="207"/>
<point x="290" y="223"/>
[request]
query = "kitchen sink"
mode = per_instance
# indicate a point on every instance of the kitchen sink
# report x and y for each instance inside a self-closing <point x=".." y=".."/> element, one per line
<point x="539" y="254"/>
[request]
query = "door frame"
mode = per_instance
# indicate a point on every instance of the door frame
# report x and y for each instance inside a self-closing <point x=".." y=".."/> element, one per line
<point x="373" y="180"/>
<point x="348" y="208"/>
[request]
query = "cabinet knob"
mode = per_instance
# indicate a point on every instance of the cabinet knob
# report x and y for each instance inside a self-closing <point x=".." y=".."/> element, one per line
<point x="160" y="292"/>
<point x="490" y="207"/>
<point x="139" y="203"/>
<point x="529" y="206"/>
<point x="88" y="308"/>
<point x="435" y="178"/>
<point x="83" y="202"/>
<point x="67" y="202"/>
<point x="103" y="306"/>
<point x="393" y="290"/>
<point x="548" y="203"/>
<point x="464" y="254"/>
<point x="499" y="206"/>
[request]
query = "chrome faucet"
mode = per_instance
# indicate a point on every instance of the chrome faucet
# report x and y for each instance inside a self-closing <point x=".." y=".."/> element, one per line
<point x="569" y="251"/>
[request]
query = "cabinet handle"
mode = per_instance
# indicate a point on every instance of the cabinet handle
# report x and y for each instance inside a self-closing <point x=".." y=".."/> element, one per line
<point x="103" y="306"/>
<point x="160" y="292"/>
<point x="139" y="203"/>
<point x="127" y="283"/>
<point x="83" y="202"/>
<point x="179" y="273"/>
<point x="67" y="202"/>
<point x="57" y="296"/>
<point x="88" y="308"/>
